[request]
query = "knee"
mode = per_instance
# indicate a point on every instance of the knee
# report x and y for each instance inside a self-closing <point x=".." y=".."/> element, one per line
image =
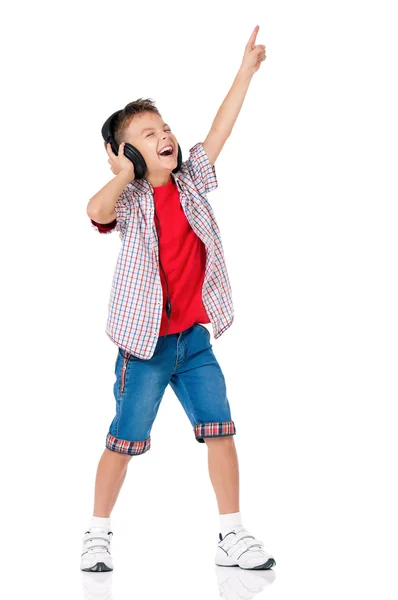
<point x="120" y="457"/>
<point x="226" y="440"/>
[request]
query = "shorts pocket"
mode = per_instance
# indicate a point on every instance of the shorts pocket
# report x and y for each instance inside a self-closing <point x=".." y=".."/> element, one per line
<point x="125" y="357"/>
<point x="123" y="373"/>
<point x="203" y="327"/>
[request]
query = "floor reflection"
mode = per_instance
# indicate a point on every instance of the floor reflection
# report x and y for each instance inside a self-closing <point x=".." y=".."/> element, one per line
<point x="97" y="586"/>
<point x="233" y="583"/>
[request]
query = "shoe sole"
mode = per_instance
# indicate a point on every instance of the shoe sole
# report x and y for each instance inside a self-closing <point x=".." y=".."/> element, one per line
<point x="267" y="565"/>
<point x="99" y="567"/>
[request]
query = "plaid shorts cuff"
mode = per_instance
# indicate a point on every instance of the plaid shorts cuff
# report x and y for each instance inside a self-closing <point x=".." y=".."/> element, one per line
<point x="204" y="430"/>
<point x="126" y="447"/>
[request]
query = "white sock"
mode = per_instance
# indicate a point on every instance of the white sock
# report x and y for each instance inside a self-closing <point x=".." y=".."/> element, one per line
<point x="104" y="522"/>
<point x="229" y="521"/>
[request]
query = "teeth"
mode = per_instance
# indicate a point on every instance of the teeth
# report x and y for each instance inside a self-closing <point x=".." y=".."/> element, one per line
<point x="166" y="148"/>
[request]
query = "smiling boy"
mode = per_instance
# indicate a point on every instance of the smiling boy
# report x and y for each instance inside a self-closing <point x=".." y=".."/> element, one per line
<point x="171" y="250"/>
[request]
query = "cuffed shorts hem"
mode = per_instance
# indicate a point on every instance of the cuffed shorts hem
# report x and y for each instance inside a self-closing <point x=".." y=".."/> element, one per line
<point x="205" y="430"/>
<point x="126" y="447"/>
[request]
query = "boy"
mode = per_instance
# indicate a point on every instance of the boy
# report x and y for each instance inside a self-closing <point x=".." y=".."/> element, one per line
<point x="163" y="342"/>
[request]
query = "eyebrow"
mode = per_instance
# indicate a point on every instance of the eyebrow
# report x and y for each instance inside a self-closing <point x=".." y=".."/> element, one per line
<point x="151" y="128"/>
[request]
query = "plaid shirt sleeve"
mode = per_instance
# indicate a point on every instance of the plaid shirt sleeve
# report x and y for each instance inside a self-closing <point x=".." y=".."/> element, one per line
<point x="123" y="212"/>
<point x="202" y="172"/>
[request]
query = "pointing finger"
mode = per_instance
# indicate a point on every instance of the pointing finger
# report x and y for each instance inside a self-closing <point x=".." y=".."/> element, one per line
<point x="252" y="40"/>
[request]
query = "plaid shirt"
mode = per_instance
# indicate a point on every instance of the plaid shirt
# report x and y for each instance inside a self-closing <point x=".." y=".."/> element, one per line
<point x="135" y="303"/>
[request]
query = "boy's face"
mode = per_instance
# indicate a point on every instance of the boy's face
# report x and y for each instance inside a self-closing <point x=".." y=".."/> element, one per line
<point x="149" y="134"/>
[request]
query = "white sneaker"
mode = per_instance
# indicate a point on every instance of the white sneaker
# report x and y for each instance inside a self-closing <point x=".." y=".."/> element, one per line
<point x="96" y="551"/>
<point x="241" y="549"/>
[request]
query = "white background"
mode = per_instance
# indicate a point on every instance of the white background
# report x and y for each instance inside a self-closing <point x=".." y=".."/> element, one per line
<point x="307" y="208"/>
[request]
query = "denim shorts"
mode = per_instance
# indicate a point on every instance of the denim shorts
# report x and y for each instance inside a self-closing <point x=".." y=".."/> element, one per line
<point x="184" y="360"/>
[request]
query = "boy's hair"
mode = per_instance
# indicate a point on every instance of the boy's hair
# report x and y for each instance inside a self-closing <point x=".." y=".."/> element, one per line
<point x="124" y="118"/>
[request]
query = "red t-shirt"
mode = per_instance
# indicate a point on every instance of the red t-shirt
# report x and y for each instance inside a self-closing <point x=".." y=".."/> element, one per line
<point x="183" y="257"/>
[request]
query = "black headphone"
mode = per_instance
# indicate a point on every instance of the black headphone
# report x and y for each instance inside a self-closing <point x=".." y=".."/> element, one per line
<point x="139" y="163"/>
<point x="130" y="151"/>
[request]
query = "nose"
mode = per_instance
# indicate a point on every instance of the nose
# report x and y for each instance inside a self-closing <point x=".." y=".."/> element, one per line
<point x="165" y="137"/>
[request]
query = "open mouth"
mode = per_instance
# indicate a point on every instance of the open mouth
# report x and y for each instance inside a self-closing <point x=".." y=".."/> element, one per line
<point x="167" y="151"/>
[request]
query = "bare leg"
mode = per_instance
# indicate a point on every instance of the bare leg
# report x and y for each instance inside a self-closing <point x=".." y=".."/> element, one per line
<point x="111" y="472"/>
<point x="224" y="472"/>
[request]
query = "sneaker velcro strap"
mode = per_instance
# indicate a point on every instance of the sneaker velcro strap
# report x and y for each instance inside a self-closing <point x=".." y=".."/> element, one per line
<point x="239" y="543"/>
<point x="250" y="544"/>
<point x="96" y="539"/>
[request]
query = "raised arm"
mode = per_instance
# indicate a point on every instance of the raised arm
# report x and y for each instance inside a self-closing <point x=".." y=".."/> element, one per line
<point x="229" y="110"/>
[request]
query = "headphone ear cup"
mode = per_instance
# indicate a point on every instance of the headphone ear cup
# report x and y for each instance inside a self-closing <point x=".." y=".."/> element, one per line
<point x="137" y="159"/>
<point x="107" y="132"/>
<point x="129" y="151"/>
<point x="179" y="160"/>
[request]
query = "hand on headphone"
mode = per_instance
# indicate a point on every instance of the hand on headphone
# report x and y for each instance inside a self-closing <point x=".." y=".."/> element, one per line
<point x="120" y="162"/>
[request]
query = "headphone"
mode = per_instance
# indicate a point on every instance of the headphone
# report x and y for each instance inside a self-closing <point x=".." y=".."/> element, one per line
<point x="140" y="168"/>
<point x="130" y="151"/>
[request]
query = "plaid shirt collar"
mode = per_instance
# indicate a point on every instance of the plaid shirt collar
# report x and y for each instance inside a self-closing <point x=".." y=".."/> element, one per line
<point x="141" y="187"/>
